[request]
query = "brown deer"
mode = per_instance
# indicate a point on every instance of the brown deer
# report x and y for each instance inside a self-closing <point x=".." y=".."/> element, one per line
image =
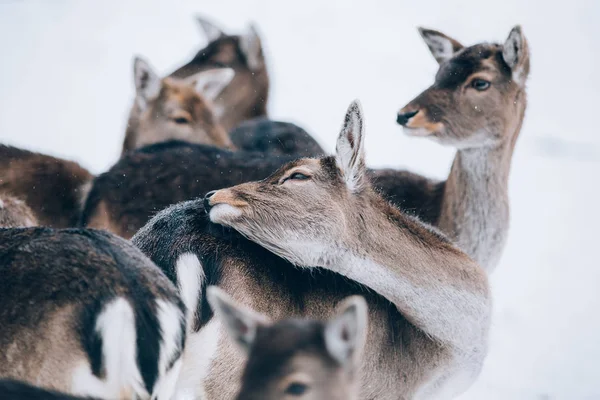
<point x="307" y="359"/>
<point x="52" y="187"/>
<point x="246" y="96"/>
<point x="176" y="109"/>
<point x="476" y="104"/>
<point x="15" y="213"/>
<point x="86" y="313"/>
<point x="318" y="233"/>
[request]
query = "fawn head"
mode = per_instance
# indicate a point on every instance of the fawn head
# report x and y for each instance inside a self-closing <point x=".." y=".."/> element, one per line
<point x="478" y="97"/>
<point x="176" y="109"/>
<point x="306" y="209"/>
<point x="293" y="358"/>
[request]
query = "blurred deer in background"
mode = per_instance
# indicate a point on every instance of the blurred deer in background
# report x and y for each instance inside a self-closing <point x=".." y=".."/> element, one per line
<point x="14" y="213"/>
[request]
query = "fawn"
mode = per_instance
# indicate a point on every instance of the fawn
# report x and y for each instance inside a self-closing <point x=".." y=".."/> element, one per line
<point x="15" y="213"/>
<point x="318" y="233"/>
<point x="246" y="96"/>
<point x="86" y="313"/>
<point x="476" y="104"/>
<point x="53" y="188"/>
<point x="176" y="109"/>
<point x="294" y="357"/>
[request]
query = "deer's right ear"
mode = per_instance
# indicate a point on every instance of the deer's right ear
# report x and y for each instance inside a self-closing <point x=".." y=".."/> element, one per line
<point x="346" y="333"/>
<point x="350" y="153"/>
<point x="516" y="54"/>
<point x="241" y="323"/>
<point x="441" y="46"/>
<point x="210" y="83"/>
<point x="211" y="31"/>
<point x="147" y="82"/>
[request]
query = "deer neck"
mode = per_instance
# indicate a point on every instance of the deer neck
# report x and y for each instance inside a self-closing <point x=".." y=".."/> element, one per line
<point x="475" y="204"/>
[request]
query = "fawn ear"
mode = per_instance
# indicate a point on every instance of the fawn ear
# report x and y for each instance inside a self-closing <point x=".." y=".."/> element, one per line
<point x="516" y="54"/>
<point x="240" y="322"/>
<point x="350" y="153"/>
<point x="211" y="31"/>
<point x="345" y="334"/>
<point x="251" y="46"/>
<point x="147" y="82"/>
<point x="441" y="46"/>
<point x="210" y="83"/>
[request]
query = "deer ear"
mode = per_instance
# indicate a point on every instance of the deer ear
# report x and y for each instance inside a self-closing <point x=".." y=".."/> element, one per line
<point x="345" y="334"/>
<point x="211" y="31"/>
<point x="441" y="46"/>
<point x="350" y="154"/>
<point x="147" y="82"/>
<point x="516" y="54"/>
<point x="210" y="83"/>
<point x="241" y="323"/>
<point x="251" y="46"/>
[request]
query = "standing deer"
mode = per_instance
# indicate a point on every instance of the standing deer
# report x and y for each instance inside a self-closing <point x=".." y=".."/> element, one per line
<point x="296" y="358"/>
<point x="15" y="213"/>
<point x="476" y="104"/>
<point x="52" y="187"/>
<point x="85" y="313"/>
<point x="318" y="232"/>
<point x="176" y="109"/>
<point x="246" y="96"/>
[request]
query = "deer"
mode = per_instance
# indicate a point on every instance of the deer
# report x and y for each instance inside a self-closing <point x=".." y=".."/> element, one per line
<point x="16" y="390"/>
<point x="246" y="96"/>
<point x="477" y="105"/>
<point x="296" y="357"/>
<point x="176" y="109"/>
<point x="15" y="213"/>
<point x="311" y="234"/>
<point x="85" y="313"/>
<point x="52" y="187"/>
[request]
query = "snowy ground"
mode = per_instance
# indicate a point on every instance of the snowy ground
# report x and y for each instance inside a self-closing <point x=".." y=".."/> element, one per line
<point x="66" y="86"/>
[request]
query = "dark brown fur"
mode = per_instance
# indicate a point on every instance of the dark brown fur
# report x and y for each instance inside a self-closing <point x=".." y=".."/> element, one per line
<point x="53" y="188"/>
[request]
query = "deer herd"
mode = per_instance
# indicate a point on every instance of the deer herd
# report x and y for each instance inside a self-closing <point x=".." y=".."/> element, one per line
<point x="226" y="256"/>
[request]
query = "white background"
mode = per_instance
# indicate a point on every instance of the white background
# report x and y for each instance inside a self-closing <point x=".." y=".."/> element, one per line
<point x="66" y="87"/>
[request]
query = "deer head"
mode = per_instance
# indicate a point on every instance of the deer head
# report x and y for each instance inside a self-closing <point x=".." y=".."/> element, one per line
<point x="305" y="210"/>
<point x="296" y="359"/>
<point x="176" y="109"/>
<point x="478" y="97"/>
<point x="246" y="96"/>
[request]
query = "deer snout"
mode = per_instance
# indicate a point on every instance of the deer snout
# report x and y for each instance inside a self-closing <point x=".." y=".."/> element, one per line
<point x="404" y="117"/>
<point x="207" y="205"/>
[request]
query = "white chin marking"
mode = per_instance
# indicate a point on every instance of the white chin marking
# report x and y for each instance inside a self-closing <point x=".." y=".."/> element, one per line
<point x="416" y="131"/>
<point x="223" y="213"/>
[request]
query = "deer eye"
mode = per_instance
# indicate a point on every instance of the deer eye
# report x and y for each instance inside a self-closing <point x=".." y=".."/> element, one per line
<point x="298" y="176"/>
<point x="181" y="120"/>
<point x="296" y="389"/>
<point x="480" y="84"/>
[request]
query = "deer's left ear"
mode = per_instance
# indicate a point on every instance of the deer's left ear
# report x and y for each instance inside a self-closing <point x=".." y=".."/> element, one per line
<point x="516" y="54"/>
<point x="251" y="46"/>
<point x="210" y="83"/>
<point x="350" y="153"/>
<point x="442" y="47"/>
<point x="346" y="333"/>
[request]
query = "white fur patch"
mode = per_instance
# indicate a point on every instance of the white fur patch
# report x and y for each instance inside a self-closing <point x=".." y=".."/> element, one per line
<point x="416" y="132"/>
<point x="200" y="350"/>
<point x="251" y="47"/>
<point x="222" y="213"/>
<point x="190" y="278"/>
<point x="440" y="46"/>
<point x="116" y="326"/>
<point x="350" y="147"/>
<point x="211" y="83"/>
<point x="169" y="318"/>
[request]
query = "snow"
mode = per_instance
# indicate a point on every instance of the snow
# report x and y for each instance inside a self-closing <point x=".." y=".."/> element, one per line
<point x="66" y="86"/>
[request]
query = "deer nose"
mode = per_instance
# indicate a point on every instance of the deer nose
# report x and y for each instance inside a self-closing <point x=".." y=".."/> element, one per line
<point x="207" y="197"/>
<point x="403" y="118"/>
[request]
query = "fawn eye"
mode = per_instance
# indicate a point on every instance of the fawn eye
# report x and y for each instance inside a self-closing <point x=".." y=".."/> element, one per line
<point x="298" y="176"/>
<point x="296" y="389"/>
<point x="181" y="120"/>
<point x="480" y="84"/>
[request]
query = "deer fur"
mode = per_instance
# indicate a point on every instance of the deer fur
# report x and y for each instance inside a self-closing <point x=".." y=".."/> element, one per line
<point x="15" y="213"/>
<point x="313" y="242"/>
<point x="176" y="109"/>
<point x="472" y="205"/>
<point x="85" y="313"/>
<point x="52" y="187"/>
<point x="16" y="390"/>
<point x="309" y="359"/>
<point x="246" y="96"/>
